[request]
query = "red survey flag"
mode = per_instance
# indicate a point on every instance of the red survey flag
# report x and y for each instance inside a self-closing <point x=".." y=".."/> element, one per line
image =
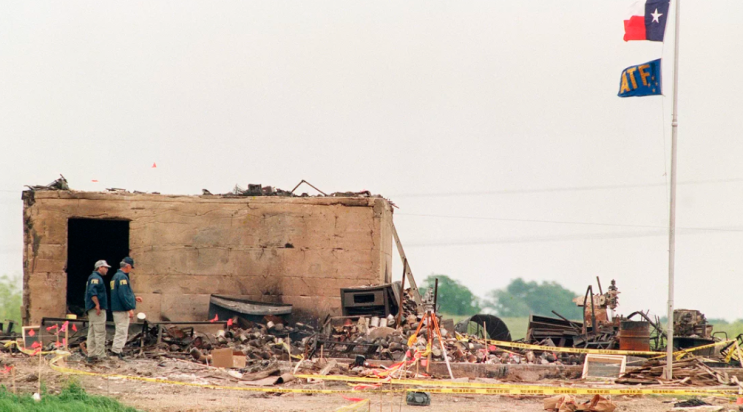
<point x="229" y="322"/>
<point x="647" y="20"/>
<point x="74" y="327"/>
<point x="216" y="318"/>
<point x="154" y="165"/>
<point x="51" y="328"/>
<point x="64" y="326"/>
<point x="31" y="332"/>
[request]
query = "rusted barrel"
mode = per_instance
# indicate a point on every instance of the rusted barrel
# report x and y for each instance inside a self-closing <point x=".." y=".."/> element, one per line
<point x="634" y="335"/>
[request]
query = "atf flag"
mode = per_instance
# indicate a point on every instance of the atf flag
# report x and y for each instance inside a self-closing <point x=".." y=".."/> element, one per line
<point x="641" y="80"/>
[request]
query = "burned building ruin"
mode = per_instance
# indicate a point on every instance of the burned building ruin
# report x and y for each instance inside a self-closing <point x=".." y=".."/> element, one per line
<point x="275" y="249"/>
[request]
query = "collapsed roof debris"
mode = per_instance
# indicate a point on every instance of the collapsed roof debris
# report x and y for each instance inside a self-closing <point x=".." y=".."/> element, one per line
<point x="252" y="190"/>
<point x="260" y="190"/>
<point x="59" y="184"/>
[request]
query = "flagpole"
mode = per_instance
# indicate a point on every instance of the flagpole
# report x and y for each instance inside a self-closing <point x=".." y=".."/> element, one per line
<point x="672" y="219"/>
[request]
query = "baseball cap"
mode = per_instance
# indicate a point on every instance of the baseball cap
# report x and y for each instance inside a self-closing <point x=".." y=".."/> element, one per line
<point x="129" y="260"/>
<point x="102" y="263"/>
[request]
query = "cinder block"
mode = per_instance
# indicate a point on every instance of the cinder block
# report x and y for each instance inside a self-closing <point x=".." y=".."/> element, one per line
<point x="48" y="297"/>
<point x="176" y="307"/>
<point x="150" y="305"/>
<point x="197" y="284"/>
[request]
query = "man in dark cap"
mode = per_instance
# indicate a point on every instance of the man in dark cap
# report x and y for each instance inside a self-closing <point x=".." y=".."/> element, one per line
<point x="123" y="303"/>
<point x="96" y="304"/>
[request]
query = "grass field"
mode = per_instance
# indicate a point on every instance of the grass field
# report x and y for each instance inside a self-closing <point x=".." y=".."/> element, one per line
<point x="733" y="329"/>
<point x="517" y="326"/>
<point x="71" y="399"/>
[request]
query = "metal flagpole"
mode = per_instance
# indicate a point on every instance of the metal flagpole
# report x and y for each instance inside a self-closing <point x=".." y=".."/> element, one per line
<point x="672" y="219"/>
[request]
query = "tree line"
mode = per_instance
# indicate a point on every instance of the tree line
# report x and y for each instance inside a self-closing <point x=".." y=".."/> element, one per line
<point x="519" y="299"/>
<point x="10" y="298"/>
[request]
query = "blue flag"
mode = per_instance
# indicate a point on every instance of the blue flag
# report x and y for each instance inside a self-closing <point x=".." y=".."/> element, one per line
<point x="641" y="80"/>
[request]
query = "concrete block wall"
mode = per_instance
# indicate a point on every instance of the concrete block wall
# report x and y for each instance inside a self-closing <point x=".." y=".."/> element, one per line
<point x="299" y="251"/>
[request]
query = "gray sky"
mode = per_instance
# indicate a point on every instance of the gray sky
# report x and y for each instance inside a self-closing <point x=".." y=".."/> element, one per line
<point x="493" y="125"/>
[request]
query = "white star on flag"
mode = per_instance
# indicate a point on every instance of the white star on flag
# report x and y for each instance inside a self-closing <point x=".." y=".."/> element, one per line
<point x="656" y="16"/>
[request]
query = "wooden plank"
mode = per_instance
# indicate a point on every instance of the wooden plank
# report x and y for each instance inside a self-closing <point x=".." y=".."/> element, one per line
<point x="408" y="272"/>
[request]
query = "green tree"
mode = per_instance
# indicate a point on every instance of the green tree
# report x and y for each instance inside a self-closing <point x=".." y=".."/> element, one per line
<point x="454" y="298"/>
<point x="10" y="298"/>
<point x="521" y="298"/>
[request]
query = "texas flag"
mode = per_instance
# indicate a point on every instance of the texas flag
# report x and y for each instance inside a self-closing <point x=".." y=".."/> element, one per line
<point x="647" y="20"/>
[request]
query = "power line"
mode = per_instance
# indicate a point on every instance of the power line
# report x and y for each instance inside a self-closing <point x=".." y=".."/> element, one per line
<point x="714" y="229"/>
<point x="526" y="220"/>
<point x="545" y="239"/>
<point x="563" y="189"/>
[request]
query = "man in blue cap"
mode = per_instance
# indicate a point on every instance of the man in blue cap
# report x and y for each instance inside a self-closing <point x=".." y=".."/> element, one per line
<point x="96" y="304"/>
<point x="123" y="303"/>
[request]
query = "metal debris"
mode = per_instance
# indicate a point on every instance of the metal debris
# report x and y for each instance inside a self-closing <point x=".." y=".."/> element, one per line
<point x="59" y="184"/>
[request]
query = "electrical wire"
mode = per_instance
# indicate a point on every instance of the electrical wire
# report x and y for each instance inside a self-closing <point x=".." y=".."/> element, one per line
<point x="714" y="229"/>
<point x="547" y="239"/>
<point x="563" y="189"/>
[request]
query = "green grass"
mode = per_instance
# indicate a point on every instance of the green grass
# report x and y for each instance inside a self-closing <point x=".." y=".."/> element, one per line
<point x="72" y="398"/>
<point x="733" y="329"/>
<point x="10" y="298"/>
<point x="517" y="327"/>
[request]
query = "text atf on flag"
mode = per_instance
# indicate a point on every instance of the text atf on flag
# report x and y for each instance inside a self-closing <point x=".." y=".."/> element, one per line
<point x="641" y="80"/>
<point x="647" y="20"/>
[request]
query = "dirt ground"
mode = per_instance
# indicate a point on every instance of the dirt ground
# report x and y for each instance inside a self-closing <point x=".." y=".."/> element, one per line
<point x="158" y="397"/>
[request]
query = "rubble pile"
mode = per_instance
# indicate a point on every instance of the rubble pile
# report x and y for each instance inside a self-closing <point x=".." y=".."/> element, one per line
<point x="274" y="339"/>
<point x="390" y="343"/>
<point x="382" y="338"/>
<point x="691" y="371"/>
<point x="262" y="344"/>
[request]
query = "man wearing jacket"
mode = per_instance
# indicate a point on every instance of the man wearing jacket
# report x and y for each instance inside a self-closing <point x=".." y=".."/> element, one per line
<point x="123" y="303"/>
<point x="96" y="304"/>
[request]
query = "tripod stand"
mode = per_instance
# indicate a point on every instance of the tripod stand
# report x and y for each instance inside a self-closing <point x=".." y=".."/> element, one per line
<point x="432" y="323"/>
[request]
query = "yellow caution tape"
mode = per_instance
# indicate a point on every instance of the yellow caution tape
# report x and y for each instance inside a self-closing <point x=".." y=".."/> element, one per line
<point x="25" y="351"/>
<point x="549" y="391"/>
<point x="599" y="351"/>
<point x="55" y="367"/>
<point x="680" y="353"/>
<point x="412" y="339"/>
<point x="443" y="386"/>
<point x="286" y="347"/>
<point x="571" y="350"/>
<point x="475" y="388"/>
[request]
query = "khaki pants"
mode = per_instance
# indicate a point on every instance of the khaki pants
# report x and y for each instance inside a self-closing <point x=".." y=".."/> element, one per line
<point x="96" y="334"/>
<point x="121" y="319"/>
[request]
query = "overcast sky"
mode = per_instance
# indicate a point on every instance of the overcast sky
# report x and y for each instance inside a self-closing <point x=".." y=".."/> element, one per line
<point x="493" y="125"/>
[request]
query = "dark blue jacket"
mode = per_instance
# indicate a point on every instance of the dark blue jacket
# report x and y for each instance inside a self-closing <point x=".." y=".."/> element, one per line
<point x="122" y="297"/>
<point x="95" y="287"/>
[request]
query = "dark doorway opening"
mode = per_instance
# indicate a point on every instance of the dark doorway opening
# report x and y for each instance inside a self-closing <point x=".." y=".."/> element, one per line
<point x="90" y="240"/>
